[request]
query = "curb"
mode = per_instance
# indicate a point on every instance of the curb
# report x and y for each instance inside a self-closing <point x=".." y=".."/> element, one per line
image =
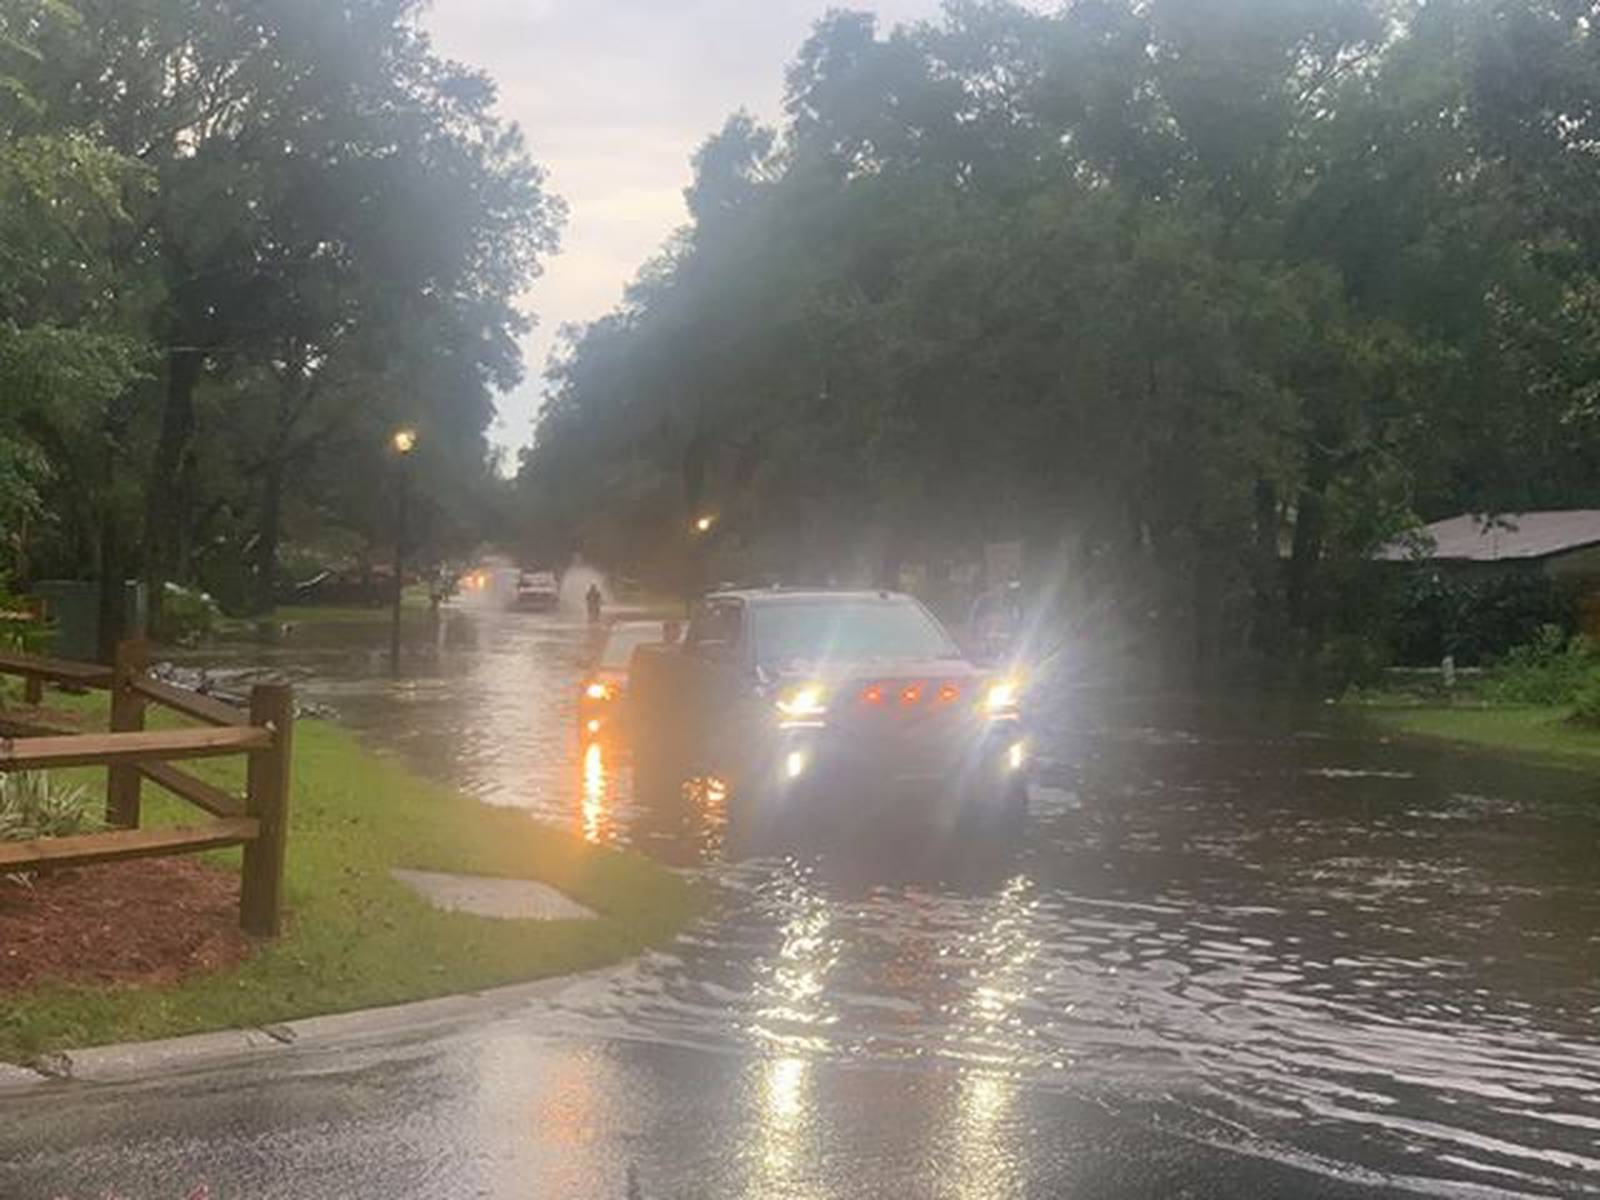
<point x="127" y="1061"/>
<point x="14" y="1079"/>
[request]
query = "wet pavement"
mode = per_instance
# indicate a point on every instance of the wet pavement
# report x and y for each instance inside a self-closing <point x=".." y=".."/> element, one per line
<point x="1238" y="950"/>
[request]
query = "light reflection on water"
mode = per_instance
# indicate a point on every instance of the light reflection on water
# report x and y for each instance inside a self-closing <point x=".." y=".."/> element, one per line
<point x="780" y="1127"/>
<point x="985" y="1166"/>
<point x="1336" y="952"/>
<point x="597" y="824"/>
<point x="790" y="984"/>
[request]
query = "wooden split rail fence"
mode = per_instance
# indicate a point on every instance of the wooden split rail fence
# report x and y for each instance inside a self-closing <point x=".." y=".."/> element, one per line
<point x="34" y="738"/>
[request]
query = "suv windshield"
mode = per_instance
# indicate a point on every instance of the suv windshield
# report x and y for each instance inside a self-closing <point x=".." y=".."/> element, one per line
<point x="847" y="630"/>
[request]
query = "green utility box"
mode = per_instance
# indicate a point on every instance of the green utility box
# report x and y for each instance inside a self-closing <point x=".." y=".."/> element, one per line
<point x="74" y="607"/>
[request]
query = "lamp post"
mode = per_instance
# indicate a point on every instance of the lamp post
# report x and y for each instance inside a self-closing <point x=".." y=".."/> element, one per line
<point x="404" y="442"/>
<point x="700" y="528"/>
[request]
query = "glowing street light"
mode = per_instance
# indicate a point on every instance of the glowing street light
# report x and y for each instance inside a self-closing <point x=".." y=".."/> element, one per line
<point x="404" y="441"/>
<point x="704" y="522"/>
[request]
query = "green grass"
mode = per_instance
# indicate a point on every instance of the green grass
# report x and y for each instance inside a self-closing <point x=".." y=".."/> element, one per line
<point x="1532" y="731"/>
<point x="356" y="938"/>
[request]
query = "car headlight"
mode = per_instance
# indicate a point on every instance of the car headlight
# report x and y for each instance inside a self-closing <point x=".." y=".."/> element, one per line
<point x="805" y="704"/>
<point x="1000" y="699"/>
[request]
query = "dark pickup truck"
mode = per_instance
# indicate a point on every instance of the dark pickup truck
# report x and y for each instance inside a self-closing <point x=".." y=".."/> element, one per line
<point x="812" y="699"/>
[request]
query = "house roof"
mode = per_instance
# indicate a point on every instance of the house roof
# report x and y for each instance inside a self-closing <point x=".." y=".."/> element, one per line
<point x="1475" y="537"/>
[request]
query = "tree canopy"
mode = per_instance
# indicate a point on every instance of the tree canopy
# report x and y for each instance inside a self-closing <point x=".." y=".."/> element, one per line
<point x="250" y="239"/>
<point x="1203" y="299"/>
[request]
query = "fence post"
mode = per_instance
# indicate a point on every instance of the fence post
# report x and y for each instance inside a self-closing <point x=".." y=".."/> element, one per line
<point x="33" y="690"/>
<point x="267" y="799"/>
<point x="127" y="714"/>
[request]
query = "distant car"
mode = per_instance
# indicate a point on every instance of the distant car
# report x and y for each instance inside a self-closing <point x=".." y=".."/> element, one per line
<point x="537" y="591"/>
<point x="814" y="699"/>
<point x="603" y="694"/>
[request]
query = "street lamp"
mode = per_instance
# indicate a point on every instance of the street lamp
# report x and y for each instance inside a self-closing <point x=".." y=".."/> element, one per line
<point x="697" y="547"/>
<point x="404" y="442"/>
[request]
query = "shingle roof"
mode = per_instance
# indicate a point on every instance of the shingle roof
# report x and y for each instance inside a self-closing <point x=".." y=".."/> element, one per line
<point x="1473" y="537"/>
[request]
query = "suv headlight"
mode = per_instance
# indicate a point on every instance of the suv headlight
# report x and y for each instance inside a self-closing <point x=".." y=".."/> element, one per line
<point x="803" y="704"/>
<point x="1000" y="699"/>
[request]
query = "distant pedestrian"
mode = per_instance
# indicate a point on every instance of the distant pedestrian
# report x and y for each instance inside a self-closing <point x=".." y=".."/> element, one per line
<point x="593" y="600"/>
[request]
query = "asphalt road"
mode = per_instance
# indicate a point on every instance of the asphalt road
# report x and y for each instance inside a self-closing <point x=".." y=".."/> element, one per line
<point x="1237" y="952"/>
<point x="503" y="1111"/>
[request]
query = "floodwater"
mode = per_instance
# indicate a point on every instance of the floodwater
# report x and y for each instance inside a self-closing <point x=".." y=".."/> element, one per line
<point x="1265" y="929"/>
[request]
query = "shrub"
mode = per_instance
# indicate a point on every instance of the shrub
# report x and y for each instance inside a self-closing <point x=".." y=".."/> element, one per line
<point x="1551" y="669"/>
<point x="32" y="807"/>
<point x="19" y="628"/>
<point x="1474" y="619"/>
<point x="1350" y="660"/>
<point x="1586" y="703"/>
<point x="186" y="614"/>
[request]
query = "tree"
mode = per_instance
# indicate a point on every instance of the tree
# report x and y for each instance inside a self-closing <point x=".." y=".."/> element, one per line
<point x="1206" y="299"/>
<point x="337" y="232"/>
<point x="68" y="344"/>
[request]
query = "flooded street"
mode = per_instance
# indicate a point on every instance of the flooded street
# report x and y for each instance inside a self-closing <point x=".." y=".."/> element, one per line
<point x="1257" y="927"/>
<point x="1260" y="937"/>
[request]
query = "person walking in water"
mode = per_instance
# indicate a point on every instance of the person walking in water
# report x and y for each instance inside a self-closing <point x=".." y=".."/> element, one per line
<point x="593" y="599"/>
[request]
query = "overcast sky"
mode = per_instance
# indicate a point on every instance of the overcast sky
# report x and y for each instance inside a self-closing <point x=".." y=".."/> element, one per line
<point x="614" y="96"/>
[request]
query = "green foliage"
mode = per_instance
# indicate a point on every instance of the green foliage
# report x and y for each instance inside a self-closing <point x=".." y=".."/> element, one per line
<point x="20" y="627"/>
<point x="1552" y="669"/>
<point x="66" y="351"/>
<point x="1475" y="619"/>
<point x="22" y="469"/>
<point x="1349" y="661"/>
<point x="187" y="615"/>
<point x="1204" y="299"/>
<point x="1586" y="702"/>
<point x="239" y="244"/>
<point x="32" y="806"/>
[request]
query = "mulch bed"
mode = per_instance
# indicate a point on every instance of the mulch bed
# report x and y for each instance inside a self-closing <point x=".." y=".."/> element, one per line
<point x="151" y="920"/>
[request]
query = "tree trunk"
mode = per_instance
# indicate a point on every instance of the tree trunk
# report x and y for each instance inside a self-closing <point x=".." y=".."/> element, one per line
<point x="693" y="472"/>
<point x="164" y="507"/>
<point x="266" y="556"/>
<point x="1310" y="524"/>
<point x="109" y="551"/>
<point x="1209" y="654"/>
<point x="112" y="606"/>
<point x="1266" y="632"/>
<point x="183" y="533"/>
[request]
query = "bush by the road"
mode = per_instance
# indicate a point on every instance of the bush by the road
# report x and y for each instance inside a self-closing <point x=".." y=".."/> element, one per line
<point x="1586" y="702"/>
<point x="1551" y="669"/>
<point x="187" y="615"/>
